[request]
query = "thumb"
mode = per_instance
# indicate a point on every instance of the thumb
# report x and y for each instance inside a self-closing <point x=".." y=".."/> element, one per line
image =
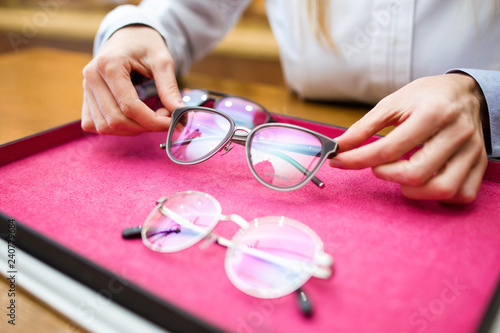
<point x="168" y="90"/>
<point x="163" y="72"/>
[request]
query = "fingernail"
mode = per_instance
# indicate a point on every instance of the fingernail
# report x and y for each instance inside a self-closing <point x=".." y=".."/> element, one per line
<point x="336" y="164"/>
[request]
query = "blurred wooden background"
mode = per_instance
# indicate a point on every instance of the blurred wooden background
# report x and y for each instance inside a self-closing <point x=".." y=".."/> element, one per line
<point x="248" y="52"/>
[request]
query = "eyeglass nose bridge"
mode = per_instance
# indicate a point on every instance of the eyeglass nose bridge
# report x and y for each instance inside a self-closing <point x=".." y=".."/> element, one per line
<point x="245" y="130"/>
<point x="238" y="138"/>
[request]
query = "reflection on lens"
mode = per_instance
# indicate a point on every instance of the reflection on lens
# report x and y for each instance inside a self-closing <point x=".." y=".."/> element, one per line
<point x="282" y="156"/>
<point x="265" y="278"/>
<point x="244" y="112"/>
<point x="163" y="233"/>
<point x="198" y="134"/>
<point x="194" y="97"/>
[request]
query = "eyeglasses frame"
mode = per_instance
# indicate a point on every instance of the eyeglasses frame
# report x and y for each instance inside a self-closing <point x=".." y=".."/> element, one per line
<point x="147" y="90"/>
<point x="329" y="146"/>
<point x="322" y="261"/>
<point x="221" y="95"/>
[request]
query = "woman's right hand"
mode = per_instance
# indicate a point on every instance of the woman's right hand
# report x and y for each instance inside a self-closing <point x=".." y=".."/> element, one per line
<point x="110" y="102"/>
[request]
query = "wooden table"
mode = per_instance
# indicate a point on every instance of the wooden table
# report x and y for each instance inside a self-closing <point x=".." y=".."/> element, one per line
<point x="41" y="88"/>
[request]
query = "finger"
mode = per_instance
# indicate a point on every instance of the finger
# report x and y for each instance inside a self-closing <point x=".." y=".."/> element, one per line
<point x="446" y="185"/>
<point x="99" y="123"/>
<point x="468" y="192"/>
<point x="116" y="75"/>
<point x="87" y="123"/>
<point x="166" y="84"/>
<point x="163" y="112"/>
<point x="108" y="118"/>
<point x="399" y="141"/>
<point x="470" y="186"/>
<point x="423" y="164"/>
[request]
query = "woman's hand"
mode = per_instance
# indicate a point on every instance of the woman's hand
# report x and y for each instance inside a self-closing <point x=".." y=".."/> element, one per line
<point x="441" y="113"/>
<point x="110" y="103"/>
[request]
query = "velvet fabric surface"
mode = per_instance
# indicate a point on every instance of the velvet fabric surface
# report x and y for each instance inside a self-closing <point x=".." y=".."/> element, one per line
<point x="400" y="265"/>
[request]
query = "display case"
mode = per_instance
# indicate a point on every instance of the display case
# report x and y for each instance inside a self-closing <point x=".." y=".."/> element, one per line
<point x="400" y="265"/>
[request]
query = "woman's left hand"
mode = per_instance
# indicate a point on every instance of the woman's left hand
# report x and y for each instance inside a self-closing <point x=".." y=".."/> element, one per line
<point x="443" y="114"/>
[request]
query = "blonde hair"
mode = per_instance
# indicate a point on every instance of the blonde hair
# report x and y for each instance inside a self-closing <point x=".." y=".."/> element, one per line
<point x="319" y="21"/>
<point x="474" y="9"/>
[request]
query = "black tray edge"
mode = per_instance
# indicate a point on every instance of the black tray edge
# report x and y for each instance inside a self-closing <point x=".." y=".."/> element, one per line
<point x="98" y="278"/>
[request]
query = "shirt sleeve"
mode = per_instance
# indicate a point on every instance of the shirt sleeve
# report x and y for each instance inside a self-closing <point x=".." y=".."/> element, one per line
<point x="489" y="81"/>
<point x="191" y="28"/>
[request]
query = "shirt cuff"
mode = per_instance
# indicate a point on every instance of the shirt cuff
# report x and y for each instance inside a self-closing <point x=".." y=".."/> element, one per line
<point x="121" y="17"/>
<point x="489" y="81"/>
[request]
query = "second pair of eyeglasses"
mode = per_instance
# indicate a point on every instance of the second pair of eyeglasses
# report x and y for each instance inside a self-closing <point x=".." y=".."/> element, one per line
<point x="283" y="157"/>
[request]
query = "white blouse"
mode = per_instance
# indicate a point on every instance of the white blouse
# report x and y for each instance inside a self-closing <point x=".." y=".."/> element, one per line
<point x="381" y="44"/>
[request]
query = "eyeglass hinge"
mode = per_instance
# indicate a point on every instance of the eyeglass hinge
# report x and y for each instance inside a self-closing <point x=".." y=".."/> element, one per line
<point x="228" y="148"/>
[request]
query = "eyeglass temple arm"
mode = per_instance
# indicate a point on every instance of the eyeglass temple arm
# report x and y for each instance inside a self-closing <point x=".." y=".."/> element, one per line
<point x="323" y="261"/>
<point x="242" y="141"/>
<point x="315" y="270"/>
<point x="132" y="232"/>
<point x="180" y="220"/>
<point x="305" y="149"/>
<point x="135" y="232"/>
<point x="321" y="270"/>
<point x="318" y="182"/>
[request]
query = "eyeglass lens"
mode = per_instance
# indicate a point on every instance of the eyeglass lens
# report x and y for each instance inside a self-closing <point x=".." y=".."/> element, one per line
<point x="244" y="113"/>
<point x="263" y="278"/>
<point x="164" y="234"/>
<point x="194" y="97"/>
<point x="197" y="134"/>
<point x="283" y="156"/>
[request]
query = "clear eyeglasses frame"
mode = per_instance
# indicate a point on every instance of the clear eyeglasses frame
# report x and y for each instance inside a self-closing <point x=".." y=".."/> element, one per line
<point x="268" y="257"/>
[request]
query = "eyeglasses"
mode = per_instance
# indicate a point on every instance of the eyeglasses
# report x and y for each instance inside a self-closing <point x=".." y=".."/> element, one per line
<point x="243" y="111"/>
<point x="283" y="157"/>
<point x="268" y="257"/>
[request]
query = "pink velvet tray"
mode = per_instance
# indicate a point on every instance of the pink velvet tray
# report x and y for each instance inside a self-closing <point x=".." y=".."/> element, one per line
<point x="400" y="265"/>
